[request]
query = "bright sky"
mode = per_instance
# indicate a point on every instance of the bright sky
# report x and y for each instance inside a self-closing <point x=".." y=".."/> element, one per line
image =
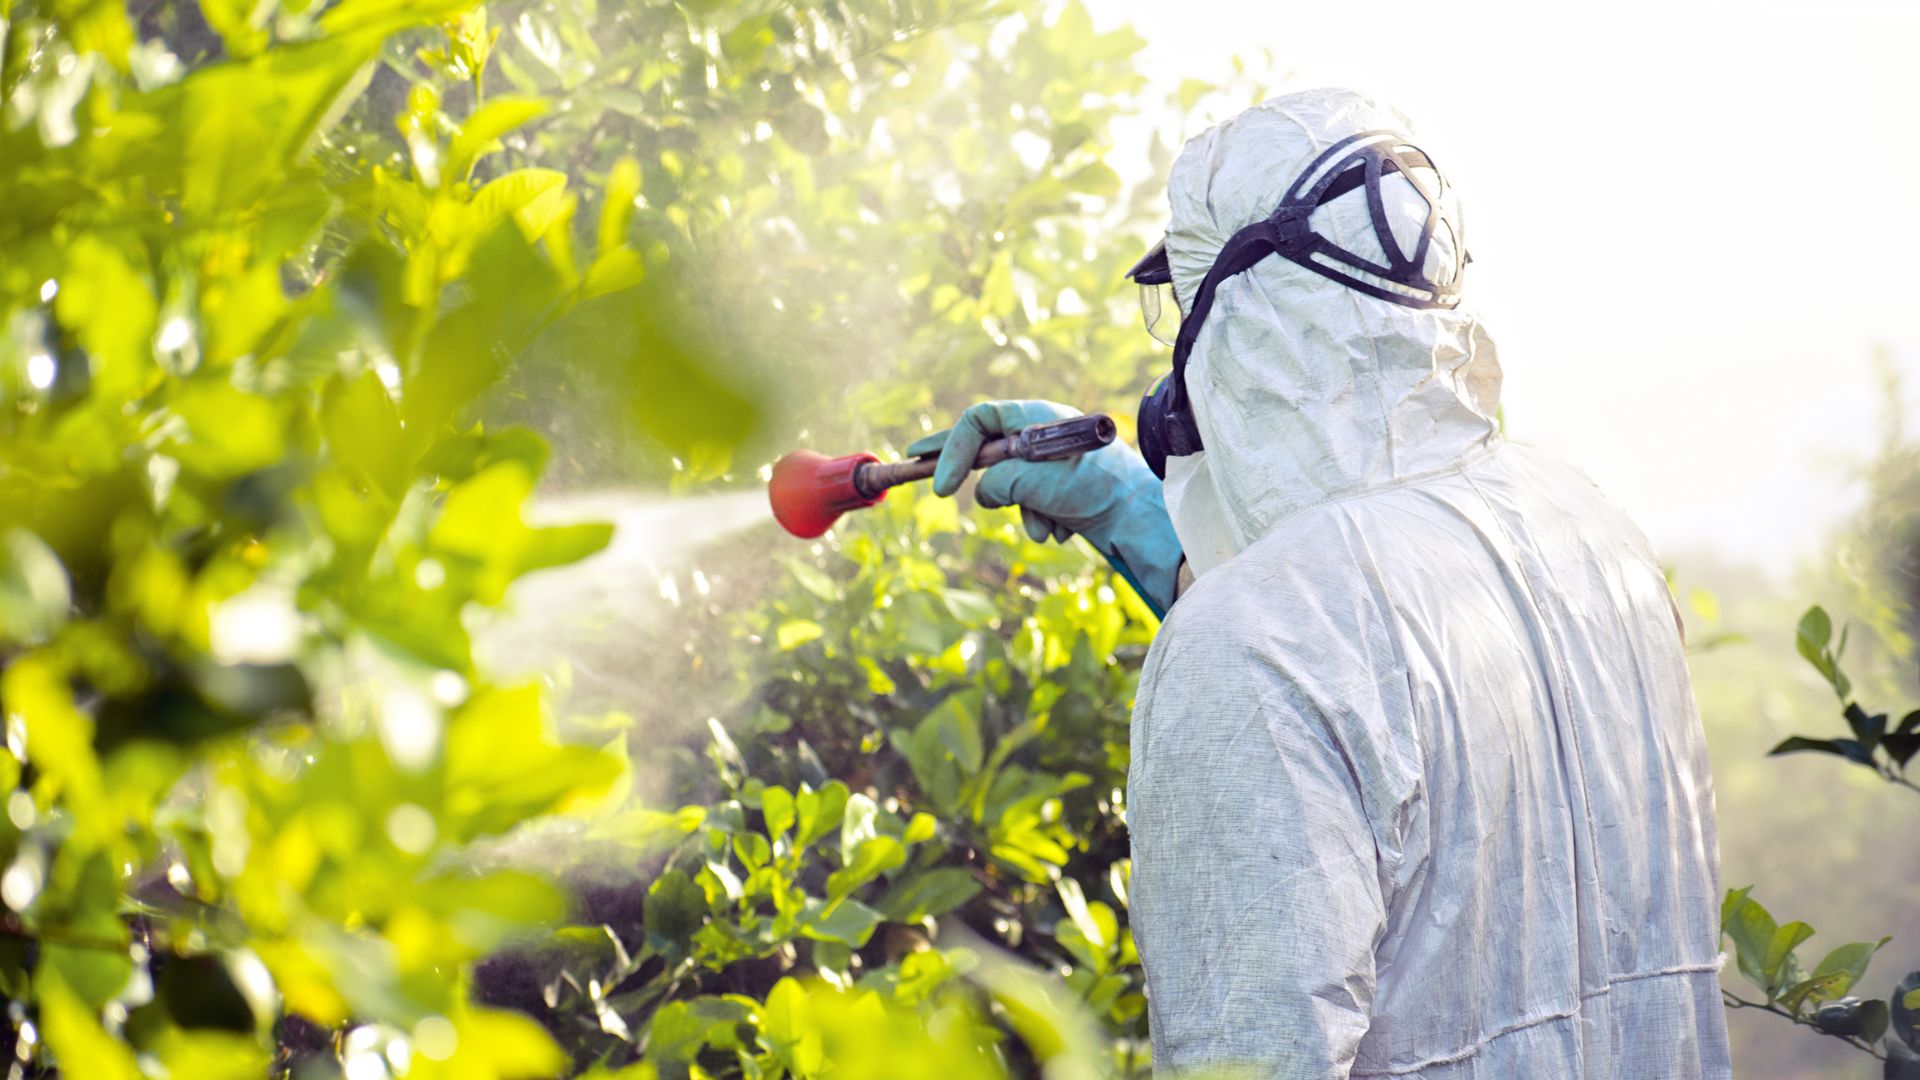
<point x="1690" y="223"/>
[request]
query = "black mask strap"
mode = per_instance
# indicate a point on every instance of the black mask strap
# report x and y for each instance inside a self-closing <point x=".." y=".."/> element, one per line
<point x="1242" y="251"/>
<point x="1362" y="159"/>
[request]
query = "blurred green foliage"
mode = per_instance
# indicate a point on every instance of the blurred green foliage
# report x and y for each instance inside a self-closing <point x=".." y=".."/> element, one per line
<point x="247" y="511"/>
<point x="920" y="788"/>
<point x="281" y="278"/>
<point x="1765" y="951"/>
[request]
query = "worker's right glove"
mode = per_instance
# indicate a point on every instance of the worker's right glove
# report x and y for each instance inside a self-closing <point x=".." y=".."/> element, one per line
<point x="1108" y="496"/>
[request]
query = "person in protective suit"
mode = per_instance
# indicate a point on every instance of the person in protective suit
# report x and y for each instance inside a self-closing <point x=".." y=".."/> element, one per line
<point x="1418" y="787"/>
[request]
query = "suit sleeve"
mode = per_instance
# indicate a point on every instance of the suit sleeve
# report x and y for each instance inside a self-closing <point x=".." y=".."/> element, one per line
<point x="1257" y="898"/>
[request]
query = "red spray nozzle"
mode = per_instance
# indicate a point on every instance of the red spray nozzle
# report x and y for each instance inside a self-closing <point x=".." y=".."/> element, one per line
<point x="810" y="491"/>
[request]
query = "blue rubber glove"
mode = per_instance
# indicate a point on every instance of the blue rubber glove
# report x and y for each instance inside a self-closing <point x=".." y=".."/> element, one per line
<point x="1108" y="496"/>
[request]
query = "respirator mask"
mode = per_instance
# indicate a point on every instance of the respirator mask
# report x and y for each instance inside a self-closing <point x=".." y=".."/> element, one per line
<point x="1166" y="424"/>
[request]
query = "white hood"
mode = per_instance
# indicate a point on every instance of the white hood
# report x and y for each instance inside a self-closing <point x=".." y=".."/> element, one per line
<point x="1306" y="390"/>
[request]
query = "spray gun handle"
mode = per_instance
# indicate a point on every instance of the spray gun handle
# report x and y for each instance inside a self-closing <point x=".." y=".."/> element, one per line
<point x="1051" y="441"/>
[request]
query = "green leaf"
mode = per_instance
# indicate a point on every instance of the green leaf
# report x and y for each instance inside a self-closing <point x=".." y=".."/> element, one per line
<point x="383" y="17"/>
<point x="776" y="806"/>
<point x="920" y="828"/>
<point x="1874" y="1019"/>
<point x="83" y="896"/>
<point x="969" y="608"/>
<point x="482" y="516"/>
<point x="1731" y="905"/>
<point x="80" y="1045"/>
<point x="1846" y="748"/>
<point x="858" y="823"/>
<point x="1704" y="604"/>
<point x="60" y="745"/>
<point x="956" y="723"/>
<point x="849" y="921"/>
<point x="228" y="431"/>
<point x="681" y="1029"/>
<point x="234" y="21"/>
<point x="675" y="909"/>
<point x="1836" y="974"/>
<point x="97" y="976"/>
<point x="612" y="270"/>
<point x="689" y="407"/>
<point x="563" y="545"/>
<point x="502" y="1042"/>
<point x="1845" y="965"/>
<point x="244" y="125"/>
<point x="813" y="579"/>
<point x="931" y="893"/>
<point x="362" y="427"/>
<point x="1095" y="179"/>
<point x="1815" y="630"/>
<point x="819" y="812"/>
<point x="616" y="207"/>
<point x="1092" y="930"/>
<point x="1901" y="747"/>
<point x="1867" y="727"/>
<point x="531" y="196"/>
<point x="1190" y="93"/>
<point x="752" y="850"/>
<point x="106" y="301"/>
<point x="1798" y="993"/>
<point x="649" y="830"/>
<point x="502" y="765"/>
<point x="797" y="632"/>
<point x="875" y="857"/>
<point x="486" y="910"/>
<point x="212" y="1054"/>
<point x="486" y="126"/>
<point x="1785" y="940"/>
<point x="1752" y="931"/>
<point x="788" y="1029"/>
<point x="34" y="593"/>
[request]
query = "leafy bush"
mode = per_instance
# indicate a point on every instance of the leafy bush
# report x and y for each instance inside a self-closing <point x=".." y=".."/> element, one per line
<point x="265" y="263"/>
<point x="1765" y="951"/>
<point x="922" y="762"/>
<point x="244" y="525"/>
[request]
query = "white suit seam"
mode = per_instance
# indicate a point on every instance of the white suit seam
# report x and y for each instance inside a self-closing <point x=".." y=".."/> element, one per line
<point x="1712" y="966"/>
<point x="1535" y="1021"/>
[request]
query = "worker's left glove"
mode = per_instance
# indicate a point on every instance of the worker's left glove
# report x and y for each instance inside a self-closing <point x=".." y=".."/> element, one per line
<point x="1108" y="496"/>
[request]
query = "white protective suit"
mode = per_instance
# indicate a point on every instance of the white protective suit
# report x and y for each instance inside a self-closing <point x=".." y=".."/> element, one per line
<point x="1418" y="785"/>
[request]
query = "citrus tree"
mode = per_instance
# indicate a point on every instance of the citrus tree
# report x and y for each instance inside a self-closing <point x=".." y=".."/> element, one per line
<point x="246" y="513"/>
<point x="279" y="278"/>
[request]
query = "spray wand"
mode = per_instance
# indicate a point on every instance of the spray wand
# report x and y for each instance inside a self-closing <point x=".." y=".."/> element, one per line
<point x="810" y="491"/>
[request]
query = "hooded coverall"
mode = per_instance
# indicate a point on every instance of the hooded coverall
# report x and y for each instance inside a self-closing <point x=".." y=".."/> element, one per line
<point x="1418" y="786"/>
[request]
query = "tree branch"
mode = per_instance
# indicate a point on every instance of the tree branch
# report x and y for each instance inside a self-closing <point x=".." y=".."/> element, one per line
<point x="1735" y="1001"/>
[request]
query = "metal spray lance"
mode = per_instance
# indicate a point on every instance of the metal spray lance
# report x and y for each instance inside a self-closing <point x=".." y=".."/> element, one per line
<point x="810" y="491"/>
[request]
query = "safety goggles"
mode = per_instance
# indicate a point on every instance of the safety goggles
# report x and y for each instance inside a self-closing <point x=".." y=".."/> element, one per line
<point x="1159" y="307"/>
